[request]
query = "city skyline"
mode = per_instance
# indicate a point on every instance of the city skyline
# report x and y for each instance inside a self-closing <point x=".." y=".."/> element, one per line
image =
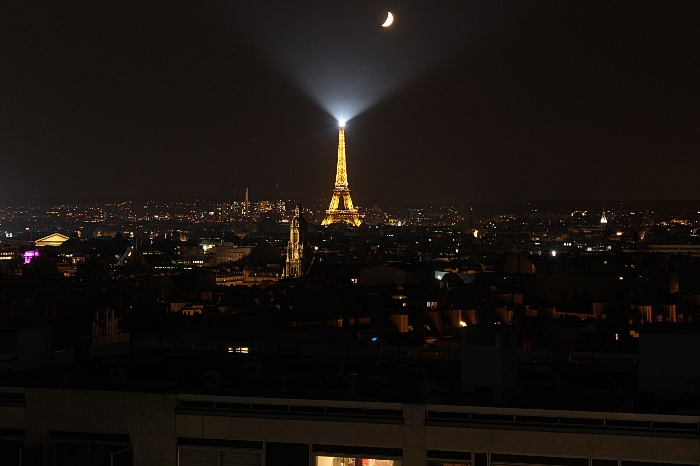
<point x="185" y="279"/>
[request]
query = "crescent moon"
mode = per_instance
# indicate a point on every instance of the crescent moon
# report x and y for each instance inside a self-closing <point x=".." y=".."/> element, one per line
<point x="389" y="20"/>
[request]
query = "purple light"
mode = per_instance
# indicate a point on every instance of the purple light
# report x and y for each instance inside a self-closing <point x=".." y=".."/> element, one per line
<point x="29" y="255"/>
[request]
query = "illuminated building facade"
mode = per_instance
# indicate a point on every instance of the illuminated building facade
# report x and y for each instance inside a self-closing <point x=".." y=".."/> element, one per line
<point x="346" y="213"/>
<point x="9" y="252"/>
<point x="54" y="239"/>
<point x="296" y="245"/>
<point x="30" y="255"/>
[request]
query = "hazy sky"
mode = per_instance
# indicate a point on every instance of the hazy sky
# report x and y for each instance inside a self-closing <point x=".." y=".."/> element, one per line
<point x="456" y="102"/>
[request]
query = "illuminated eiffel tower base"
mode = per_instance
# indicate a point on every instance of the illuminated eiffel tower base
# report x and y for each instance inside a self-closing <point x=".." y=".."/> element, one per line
<point x="347" y="213"/>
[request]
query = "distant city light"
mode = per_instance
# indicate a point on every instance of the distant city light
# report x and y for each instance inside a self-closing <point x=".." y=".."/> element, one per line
<point x="30" y="255"/>
<point x="239" y="349"/>
<point x="462" y="323"/>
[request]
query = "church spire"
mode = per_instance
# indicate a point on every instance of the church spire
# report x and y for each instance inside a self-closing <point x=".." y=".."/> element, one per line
<point x="296" y="245"/>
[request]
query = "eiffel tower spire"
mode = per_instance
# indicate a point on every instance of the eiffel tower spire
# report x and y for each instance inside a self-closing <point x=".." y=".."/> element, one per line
<point x="347" y="213"/>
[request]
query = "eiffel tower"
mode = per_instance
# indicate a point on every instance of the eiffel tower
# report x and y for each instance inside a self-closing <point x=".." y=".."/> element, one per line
<point x="347" y="213"/>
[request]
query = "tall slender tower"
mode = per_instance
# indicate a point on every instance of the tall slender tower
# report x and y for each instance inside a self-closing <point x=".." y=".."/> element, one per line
<point x="347" y="212"/>
<point x="296" y="245"/>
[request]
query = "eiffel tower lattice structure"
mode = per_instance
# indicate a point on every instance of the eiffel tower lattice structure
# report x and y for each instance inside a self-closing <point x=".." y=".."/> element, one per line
<point x="346" y="213"/>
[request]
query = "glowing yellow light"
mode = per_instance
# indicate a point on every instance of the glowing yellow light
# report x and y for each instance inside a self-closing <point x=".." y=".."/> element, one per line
<point x="348" y="214"/>
<point x="462" y="323"/>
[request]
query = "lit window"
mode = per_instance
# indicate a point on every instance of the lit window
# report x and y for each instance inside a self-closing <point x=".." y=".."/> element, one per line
<point x="342" y="461"/>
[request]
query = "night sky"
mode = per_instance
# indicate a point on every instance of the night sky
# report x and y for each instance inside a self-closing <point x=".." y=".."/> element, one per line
<point x="458" y="101"/>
